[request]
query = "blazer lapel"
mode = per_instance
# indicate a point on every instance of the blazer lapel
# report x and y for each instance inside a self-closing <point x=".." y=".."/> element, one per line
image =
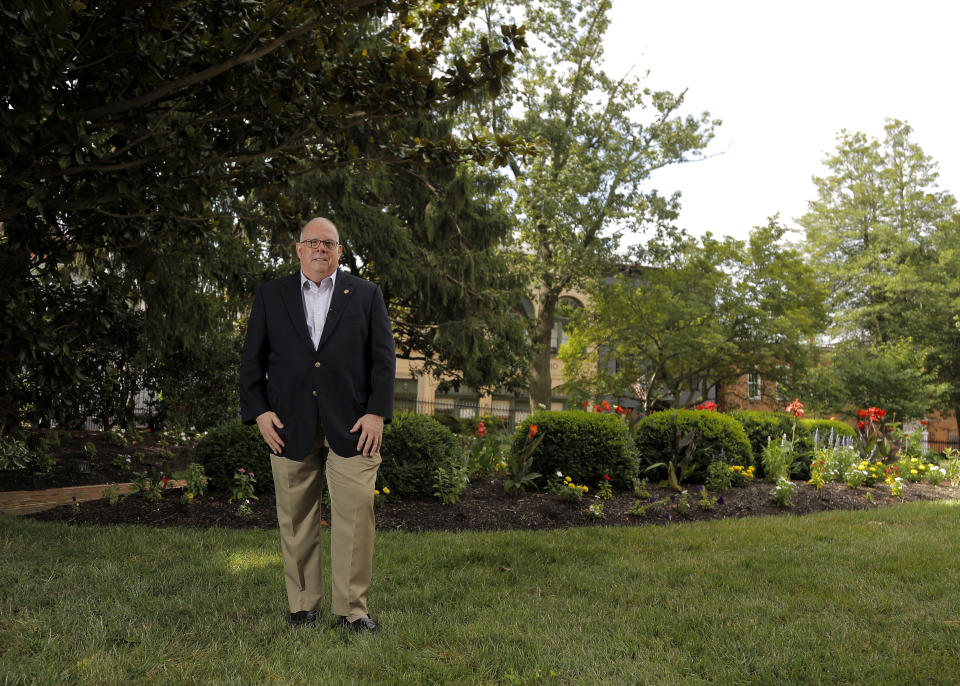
<point x="293" y="300"/>
<point x="342" y="291"/>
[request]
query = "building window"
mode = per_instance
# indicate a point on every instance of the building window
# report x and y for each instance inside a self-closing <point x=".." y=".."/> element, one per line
<point x="557" y="335"/>
<point x="462" y="403"/>
<point x="405" y="395"/>
<point x="753" y="387"/>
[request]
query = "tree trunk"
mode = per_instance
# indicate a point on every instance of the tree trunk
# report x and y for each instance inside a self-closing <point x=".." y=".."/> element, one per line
<point x="541" y="388"/>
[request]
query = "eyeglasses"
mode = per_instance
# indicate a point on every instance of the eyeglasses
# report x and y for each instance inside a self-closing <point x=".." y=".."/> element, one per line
<point x="315" y="243"/>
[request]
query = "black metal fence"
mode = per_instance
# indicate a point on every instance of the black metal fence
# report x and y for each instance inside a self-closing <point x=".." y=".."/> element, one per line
<point x="941" y="446"/>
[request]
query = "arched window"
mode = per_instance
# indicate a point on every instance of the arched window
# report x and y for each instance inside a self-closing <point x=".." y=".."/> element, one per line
<point x="557" y="335"/>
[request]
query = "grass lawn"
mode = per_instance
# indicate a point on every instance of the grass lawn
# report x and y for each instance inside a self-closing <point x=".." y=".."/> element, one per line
<point x="868" y="597"/>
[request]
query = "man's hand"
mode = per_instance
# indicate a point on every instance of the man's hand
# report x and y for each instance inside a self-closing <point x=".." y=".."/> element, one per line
<point x="268" y="423"/>
<point x="371" y="434"/>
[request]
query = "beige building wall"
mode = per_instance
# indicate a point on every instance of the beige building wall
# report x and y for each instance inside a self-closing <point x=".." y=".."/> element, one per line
<point x="426" y="384"/>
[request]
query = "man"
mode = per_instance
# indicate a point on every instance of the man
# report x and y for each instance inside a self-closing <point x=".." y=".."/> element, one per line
<point x="317" y="377"/>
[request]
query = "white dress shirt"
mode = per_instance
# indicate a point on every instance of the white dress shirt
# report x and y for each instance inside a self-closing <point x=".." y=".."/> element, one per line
<point x="316" y="304"/>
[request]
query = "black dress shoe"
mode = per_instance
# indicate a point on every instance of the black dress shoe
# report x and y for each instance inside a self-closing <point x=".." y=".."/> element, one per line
<point x="303" y="618"/>
<point x="359" y="626"/>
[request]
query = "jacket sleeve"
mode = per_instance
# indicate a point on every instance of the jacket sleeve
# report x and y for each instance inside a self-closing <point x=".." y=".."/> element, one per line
<point x="383" y="360"/>
<point x="253" y="364"/>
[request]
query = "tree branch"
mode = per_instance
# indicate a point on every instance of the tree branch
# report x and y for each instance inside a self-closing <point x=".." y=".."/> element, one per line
<point x="206" y="74"/>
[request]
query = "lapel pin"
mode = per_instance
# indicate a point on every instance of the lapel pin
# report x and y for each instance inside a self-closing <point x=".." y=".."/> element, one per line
<point x="346" y="290"/>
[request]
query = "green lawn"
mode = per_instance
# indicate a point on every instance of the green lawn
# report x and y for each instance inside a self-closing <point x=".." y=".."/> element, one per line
<point x="842" y="597"/>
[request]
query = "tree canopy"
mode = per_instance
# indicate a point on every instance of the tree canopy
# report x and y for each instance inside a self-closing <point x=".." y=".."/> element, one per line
<point x="885" y="241"/>
<point x="693" y="314"/>
<point x="135" y="133"/>
<point x="601" y="139"/>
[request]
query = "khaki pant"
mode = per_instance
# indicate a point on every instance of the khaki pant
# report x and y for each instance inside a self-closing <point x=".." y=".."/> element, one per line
<point x="299" y="489"/>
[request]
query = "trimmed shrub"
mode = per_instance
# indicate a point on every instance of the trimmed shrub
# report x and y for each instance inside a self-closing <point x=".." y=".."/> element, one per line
<point x="718" y="435"/>
<point x="450" y="422"/>
<point x="414" y="446"/>
<point x="232" y="445"/>
<point x="763" y="424"/>
<point x="581" y="445"/>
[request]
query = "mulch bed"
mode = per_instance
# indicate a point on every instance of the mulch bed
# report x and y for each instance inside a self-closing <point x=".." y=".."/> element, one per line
<point x="484" y="506"/>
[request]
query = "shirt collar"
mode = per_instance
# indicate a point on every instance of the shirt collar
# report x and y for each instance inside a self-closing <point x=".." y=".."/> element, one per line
<point x="332" y="279"/>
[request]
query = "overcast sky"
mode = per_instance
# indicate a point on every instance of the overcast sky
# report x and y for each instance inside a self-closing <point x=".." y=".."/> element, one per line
<point x="785" y="78"/>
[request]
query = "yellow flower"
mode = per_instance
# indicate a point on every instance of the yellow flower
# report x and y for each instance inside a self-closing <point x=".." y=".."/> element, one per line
<point x="376" y="492"/>
<point x="571" y="485"/>
<point x="913" y="471"/>
<point x="386" y="491"/>
<point x="567" y="479"/>
<point x="585" y="489"/>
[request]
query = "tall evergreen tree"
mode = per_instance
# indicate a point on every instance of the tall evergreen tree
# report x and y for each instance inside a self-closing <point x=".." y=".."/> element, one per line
<point x="134" y="131"/>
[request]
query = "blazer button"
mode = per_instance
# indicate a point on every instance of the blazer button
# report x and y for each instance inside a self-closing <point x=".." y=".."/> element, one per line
<point x="316" y="364"/>
<point x="314" y="394"/>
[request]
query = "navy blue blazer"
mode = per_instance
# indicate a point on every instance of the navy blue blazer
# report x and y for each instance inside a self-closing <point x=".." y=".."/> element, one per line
<point x="349" y="374"/>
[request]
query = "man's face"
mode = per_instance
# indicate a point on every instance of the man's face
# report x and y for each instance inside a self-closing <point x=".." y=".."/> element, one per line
<point x="319" y="263"/>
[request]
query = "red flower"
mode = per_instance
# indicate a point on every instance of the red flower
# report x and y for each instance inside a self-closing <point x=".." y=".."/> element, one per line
<point x="795" y="408"/>
<point x="598" y="409"/>
<point x="533" y="431"/>
<point x="606" y="477"/>
<point x="481" y="430"/>
<point x="606" y="405"/>
<point x="164" y="479"/>
<point x="698" y="407"/>
<point x="584" y="403"/>
<point x="619" y="409"/>
<point x="861" y="425"/>
<point x="629" y="410"/>
<point x="924" y="422"/>
<point x="242" y="470"/>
